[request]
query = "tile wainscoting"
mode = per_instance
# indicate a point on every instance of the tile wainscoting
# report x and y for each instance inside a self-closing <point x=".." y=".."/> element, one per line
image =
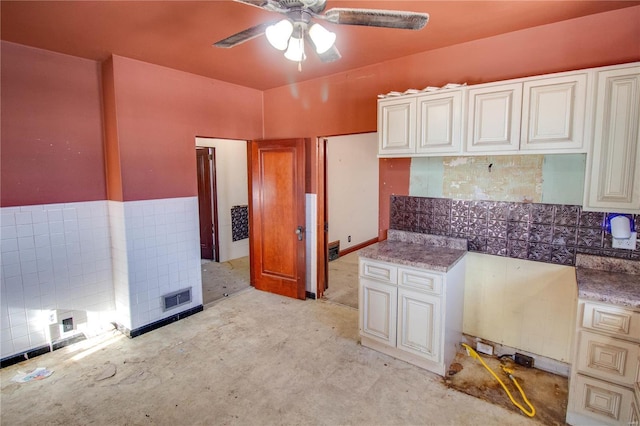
<point x="56" y="264"/>
<point x="98" y="262"/>
<point x="156" y="251"/>
<point x="552" y="233"/>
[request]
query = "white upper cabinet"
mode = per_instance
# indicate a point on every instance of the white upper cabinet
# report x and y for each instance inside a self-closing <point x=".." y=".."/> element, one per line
<point x="494" y="118"/>
<point x="553" y="111"/>
<point x="439" y="124"/>
<point x="584" y="111"/>
<point x="613" y="166"/>
<point x="397" y="126"/>
<point x="426" y="124"/>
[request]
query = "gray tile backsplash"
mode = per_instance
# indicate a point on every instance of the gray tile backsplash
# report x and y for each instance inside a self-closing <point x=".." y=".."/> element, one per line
<point x="551" y="233"/>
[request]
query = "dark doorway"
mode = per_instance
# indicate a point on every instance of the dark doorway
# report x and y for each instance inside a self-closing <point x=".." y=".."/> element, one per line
<point x="207" y="206"/>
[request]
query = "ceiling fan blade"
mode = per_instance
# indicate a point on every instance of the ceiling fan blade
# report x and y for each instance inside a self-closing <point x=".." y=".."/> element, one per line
<point x="377" y="18"/>
<point x="242" y="36"/>
<point x="330" y="55"/>
<point x="271" y="5"/>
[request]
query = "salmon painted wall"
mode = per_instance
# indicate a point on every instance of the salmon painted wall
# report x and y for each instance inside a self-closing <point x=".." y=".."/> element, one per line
<point x="346" y="103"/>
<point x="111" y="147"/>
<point x="158" y="114"/>
<point x="51" y="140"/>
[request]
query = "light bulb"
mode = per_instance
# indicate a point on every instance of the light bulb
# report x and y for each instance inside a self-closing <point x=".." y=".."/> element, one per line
<point x="295" y="52"/>
<point x="278" y="34"/>
<point x="322" y="38"/>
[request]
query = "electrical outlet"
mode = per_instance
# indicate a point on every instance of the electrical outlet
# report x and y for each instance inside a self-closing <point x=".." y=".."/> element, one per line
<point x="52" y="317"/>
<point x="524" y="360"/>
<point x="349" y="238"/>
<point x="67" y="325"/>
<point x="627" y="243"/>
<point x="484" y="348"/>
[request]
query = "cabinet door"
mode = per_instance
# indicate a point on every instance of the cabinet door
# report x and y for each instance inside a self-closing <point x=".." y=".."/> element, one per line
<point x="613" y="170"/>
<point x="378" y="311"/>
<point x="494" y="118"/>
<point x="553" y="111"/>
<point x="609" y="404"/>
<point x="419" y="323"/>
<point x="610" y="359"/>
<point x="397" y="126"/>
<point x="439" y="125"/>
<point x="635" y="415"/>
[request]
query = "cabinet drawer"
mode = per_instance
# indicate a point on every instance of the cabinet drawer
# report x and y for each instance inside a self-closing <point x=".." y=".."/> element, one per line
<point x="420" y="280"/>
<point x="608" y="358"/>
<point x="609" y="404"/>
<point x="612" y="320"/>
<point x="379" y="271"/>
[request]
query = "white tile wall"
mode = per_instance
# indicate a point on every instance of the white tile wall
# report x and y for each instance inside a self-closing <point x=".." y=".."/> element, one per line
<point x="311" y="239"/>
<point x="54" y="257"/>
<point x="99" y="261"/>
<point x="156" y="250"/>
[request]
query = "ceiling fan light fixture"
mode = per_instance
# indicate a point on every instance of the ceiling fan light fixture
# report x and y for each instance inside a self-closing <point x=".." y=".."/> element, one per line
<point x="278" y="34"/>
<point x="295" y="52"/>
<point x="322" y="38"/>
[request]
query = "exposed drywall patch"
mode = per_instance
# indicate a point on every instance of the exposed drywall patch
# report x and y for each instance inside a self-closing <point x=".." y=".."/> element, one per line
<point x="427" y="176"/>
<point x="563" y="178"/>
<point x="458" y="161"/>
<point x="499" y="178"/>
<point x="552" y="179"/>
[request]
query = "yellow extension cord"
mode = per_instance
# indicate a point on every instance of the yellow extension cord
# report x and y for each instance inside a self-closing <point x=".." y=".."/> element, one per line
<point x="509" y="372"/>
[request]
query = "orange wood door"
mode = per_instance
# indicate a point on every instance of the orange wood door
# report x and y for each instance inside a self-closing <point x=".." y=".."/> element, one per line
<point x="276" y="213"/>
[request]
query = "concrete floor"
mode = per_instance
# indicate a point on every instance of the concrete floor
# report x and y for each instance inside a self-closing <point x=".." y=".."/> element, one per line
<point x="249" y="358"/>
<point x="253" y="358"/>
<point x="221" y="279"/>
<point x="343" y="280"/>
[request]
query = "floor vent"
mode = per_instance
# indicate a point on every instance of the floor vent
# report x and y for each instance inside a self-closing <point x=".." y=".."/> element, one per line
<point x="177" y="298"/>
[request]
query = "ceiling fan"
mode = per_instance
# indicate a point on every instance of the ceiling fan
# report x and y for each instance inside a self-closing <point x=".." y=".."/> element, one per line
<point x="290" y="34"/>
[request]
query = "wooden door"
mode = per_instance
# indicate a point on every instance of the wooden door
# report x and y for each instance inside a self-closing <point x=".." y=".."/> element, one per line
<point x="208" y="246"/>
<point x="277" y="216"/>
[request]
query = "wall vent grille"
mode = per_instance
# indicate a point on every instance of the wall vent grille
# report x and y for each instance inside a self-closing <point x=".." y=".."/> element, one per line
<point x="176" y="298"/>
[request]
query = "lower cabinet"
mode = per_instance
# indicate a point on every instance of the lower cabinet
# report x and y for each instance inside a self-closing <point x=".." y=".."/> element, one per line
<point x="605" y="374"/>
<point x="405" y="311"/>
<point x="378" y="311"/>
<point x="419" y="324"/>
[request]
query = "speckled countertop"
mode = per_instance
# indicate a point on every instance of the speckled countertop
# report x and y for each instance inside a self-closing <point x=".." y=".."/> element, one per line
<point x="609" y="280"/>
<point x="423" y="251"/>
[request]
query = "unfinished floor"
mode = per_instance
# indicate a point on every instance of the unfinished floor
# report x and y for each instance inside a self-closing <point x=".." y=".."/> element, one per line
<point x="222" y="279"/>
<point x="249" y="358"/>
<point x="253" y="358"/>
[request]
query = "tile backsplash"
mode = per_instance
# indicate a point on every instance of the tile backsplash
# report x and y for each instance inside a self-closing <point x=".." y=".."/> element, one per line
<point x="552" y="233"/>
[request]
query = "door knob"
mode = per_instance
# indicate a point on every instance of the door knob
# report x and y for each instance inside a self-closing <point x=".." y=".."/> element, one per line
<point x="299" y="232"/>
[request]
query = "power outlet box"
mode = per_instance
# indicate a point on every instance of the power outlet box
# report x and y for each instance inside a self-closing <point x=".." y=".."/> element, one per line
<point x="628" y="243"/>
<point x="524" y="360"/>
<point x="484" y="348"/>
<point x="67" y="325"/>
